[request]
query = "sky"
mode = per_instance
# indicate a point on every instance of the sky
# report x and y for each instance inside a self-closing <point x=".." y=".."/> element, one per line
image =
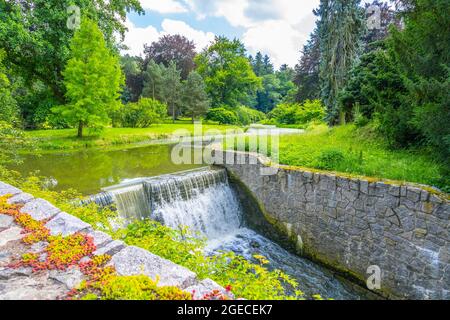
<point x="278" y="28"/>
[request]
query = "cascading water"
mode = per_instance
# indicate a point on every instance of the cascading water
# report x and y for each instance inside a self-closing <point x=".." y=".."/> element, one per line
<point x="206" y="203"/>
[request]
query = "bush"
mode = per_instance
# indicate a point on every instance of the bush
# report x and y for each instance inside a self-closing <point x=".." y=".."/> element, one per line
<point x="248" y="115"/>
<point x="311" y="110"/>
<point x="294" y="113"/>
<point x="330" y="159"/>
<point x="143" y="113"/>
<point x="222" y="116"/>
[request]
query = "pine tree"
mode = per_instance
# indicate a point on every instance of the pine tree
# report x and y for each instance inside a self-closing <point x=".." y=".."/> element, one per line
<point x="340" y="29"/>
<point x="93" y="79"/>
<point x="195" y="98"/>
<point x="171" y="89"/>
<point x="153" y="81"/>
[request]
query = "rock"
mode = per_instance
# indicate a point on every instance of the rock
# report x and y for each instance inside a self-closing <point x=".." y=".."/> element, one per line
<point x="40" y="209"/>
<point x="136" y="261"/>
<point x="71" y="278"/>
<point x="5" y="221"/>
<point x="111" y="248"/>
<point x="8" y="189"/>
<point x="206" y="286"/>
<point x="420" y="233"/>
<point x="11" y="234"/>
<point x="39" y="246"/>
<point x="66" y="224"/>
<point x="100" y="238"/>
<point x="7" y="273"/>
<point x="31" y="288"/>
<point x="20" y="198"/>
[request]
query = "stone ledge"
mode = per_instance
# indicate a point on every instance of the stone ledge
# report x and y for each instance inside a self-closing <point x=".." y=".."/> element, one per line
<point x="136" y="261"/>
<point x="7" y="189"/>
<point x="66" y="225"/>
<point x="40" y="209"/>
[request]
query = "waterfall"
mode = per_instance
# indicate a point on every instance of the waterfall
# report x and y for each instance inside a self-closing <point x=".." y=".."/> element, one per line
<point x="204" y="201"/>
<point x="199" y="199"/>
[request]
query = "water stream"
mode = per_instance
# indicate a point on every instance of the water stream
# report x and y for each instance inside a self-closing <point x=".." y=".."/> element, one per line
<point x="204" y="201"/>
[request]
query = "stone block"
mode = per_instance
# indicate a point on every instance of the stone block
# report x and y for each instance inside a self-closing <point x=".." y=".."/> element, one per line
<point x="40" y="209"/>
<point x="136" y="261"/>
<point x="66" y="224"/>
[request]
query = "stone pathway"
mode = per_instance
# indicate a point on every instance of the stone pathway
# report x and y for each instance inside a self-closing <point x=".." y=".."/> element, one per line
<point x="24" y="284"/>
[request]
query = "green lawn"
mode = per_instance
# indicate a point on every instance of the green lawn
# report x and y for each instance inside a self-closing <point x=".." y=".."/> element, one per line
<point x="66" y="139"/>
<point x="350" y="150"/>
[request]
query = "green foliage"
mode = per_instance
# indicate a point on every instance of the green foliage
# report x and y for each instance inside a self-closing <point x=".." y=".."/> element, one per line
<point x="164" y="84"/>
<point x="195" y="99"/>
<point x="144" y="113"/>
<point x="35" y="35"/>
<point x="248" y="115"/>
<point x="132" y="68"/>
<point x="340" y="28"/>
<point x="422" y="50"/>
<point x="11" y="141"/>
<point x="8" y="105"/>
<point x="248" y="280"/>
<point x="93" y="79"/>
<point x="139" y="288"/>
<point x="307" y="70"/>
<point x="222" y="116"/>
<point x="330" y="159"/>
<point x="294" y="113"/>
<point x="228" y="75"/>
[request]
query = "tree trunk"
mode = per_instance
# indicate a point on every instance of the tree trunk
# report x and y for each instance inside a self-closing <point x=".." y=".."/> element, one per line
<point x="342" y="116"/>
<point x="193" y="118"/>
<point x="80" y="129"/>
<point x="173" y="114"/>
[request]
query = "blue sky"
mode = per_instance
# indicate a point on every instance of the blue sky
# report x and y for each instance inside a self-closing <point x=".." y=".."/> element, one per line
<point x="275" y="27"/>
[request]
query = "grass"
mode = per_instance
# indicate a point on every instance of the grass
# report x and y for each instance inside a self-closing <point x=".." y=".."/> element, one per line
<point x="359" y="151"/>
<point x="66" y="139"/>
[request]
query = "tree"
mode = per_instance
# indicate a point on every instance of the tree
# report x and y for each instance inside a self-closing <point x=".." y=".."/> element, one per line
<point x="422" y="50"/>
<point x="35" y="35"/>
<point x="153" y="81"/>
<point x="93" y="79"/>
<point x="134" y="78"/>
<point x="172" y="48"/>
<point x="171" y="89"/>
<point x="8" y="105"/>
<point x="195" y="98"/>
<point x="387" y="17"/>
<point x="307" y="70"/>
<point x="227" y="72"/>
<point x="340" y="29"/>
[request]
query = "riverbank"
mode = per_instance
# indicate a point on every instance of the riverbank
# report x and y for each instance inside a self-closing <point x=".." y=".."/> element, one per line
<point x="66" y="139"/>
<point x="360" y="152"/>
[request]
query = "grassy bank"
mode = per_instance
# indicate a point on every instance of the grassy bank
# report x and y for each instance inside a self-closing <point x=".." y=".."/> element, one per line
<point x="360" y="151"/>
<point x="66" y="139"/>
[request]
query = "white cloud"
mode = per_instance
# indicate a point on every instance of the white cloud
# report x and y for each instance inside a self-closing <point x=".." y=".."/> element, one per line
<point x="275" y="27"/>
<point x="163" y="6"/>
<point x="200" y="38"/>
<point x="136" y="37"/>
<point x="279" y="28"/>
<point x="277" y="38"/>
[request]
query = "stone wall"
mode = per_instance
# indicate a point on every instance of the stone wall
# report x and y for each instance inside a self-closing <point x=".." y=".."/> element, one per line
<point x="350" y="224"/>
<point x="23" y="284"/>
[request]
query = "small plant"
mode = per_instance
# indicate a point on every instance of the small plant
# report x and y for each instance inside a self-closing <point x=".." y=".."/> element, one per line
<point x="330" y="159"/>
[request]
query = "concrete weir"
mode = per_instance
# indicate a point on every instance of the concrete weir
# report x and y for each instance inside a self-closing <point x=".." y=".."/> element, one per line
<point x="356" y="226"/>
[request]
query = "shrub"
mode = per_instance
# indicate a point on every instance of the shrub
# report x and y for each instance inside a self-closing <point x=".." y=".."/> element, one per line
<point x="248" y="115"/>
<point x="284" y="113"/>
<point x="294" y="113"/>
<point x="311" y="110"/>
<point x="330" y="159"/>
<point x="143" y="113"/>
<point x="222" y="116"/>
